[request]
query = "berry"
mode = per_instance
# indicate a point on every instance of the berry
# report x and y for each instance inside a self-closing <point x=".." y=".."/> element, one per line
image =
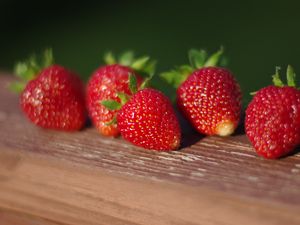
<point x="211" y="99"/>
<point x="106" y="83"/>
<point x="208" y="96"/>
<point x="54" y="97"/>
<point x="272" y="121"/>
<point x="148" y="120"/>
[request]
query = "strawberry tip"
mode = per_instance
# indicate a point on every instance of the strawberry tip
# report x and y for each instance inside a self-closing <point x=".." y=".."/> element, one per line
<point x="175" y="144"/>
<point x="225" y="128"/>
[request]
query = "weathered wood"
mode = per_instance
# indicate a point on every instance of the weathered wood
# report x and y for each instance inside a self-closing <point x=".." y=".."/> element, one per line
<point x="8" y="217"/>
<point x="83" y="178"/>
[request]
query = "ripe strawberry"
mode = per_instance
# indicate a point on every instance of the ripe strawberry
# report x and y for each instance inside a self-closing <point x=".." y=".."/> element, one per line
<point x="148" y="120"/>
<point x="208" y="96"/>
<point x="273" y="118"/>
<point x="53" y="97"/>
<point x="106" y="82"/>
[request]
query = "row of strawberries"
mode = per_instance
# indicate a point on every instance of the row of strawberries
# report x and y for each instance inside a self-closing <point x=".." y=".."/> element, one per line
<point x="118" y="101"/>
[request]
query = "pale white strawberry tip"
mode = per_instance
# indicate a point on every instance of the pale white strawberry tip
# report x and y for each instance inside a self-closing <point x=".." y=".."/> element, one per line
<point x="225" y="128"/>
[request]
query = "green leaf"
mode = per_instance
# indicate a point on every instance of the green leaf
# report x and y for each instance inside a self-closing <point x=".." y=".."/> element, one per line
<point x="111" y="104"/>
<point x="109" y="58"/>
<point x="140" y="63"/>
<point x="146" y="82"/>
<point x="48" y="59"/>
<point x="123" y="97"/>
<point x="113" y="121"/>
<point x="213" y="60"/>
<point x="276" y="78"/>
<point x="177" y="76"/>
<point x="197" y="58"/>
<point x="132" y="83"/>
<point x="126" y="58"/>
<point x="26" y="71"/>
<point x="143" y="65"/>
<point x="172" y="77"/>
<point x="33" y="63"/>
<point x="291" y="76"/>
<point x="150" y="67"/>
<point x="185" y="70"/>
<point x="17" y="87"/>
<point x="20" y="69"/>
<point x="31" y="67"/>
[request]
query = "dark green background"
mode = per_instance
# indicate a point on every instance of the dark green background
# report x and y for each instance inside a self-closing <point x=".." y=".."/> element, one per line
<point x="257" y="35"/>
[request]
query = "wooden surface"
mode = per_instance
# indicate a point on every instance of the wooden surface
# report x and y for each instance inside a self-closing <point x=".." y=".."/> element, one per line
<point x="50" y="177"/>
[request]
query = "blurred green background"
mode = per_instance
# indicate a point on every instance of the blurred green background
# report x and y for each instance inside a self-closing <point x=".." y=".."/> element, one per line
<point x="257" y="35"/>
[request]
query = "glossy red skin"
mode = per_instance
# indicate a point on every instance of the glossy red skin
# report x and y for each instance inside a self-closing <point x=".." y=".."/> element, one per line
<point x="209" y="96"/>
<point x="55" y="100"/>
<point x="104" y="84"/>
<point x="149" y="121"/>
<point x="272" y="121"/>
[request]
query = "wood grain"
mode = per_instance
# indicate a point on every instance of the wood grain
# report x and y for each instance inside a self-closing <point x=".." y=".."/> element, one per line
<point x="83" y="178"/>
<point x="8" y="217"/>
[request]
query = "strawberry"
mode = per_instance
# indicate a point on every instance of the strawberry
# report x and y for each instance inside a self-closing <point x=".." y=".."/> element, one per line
<point x="208" y="96"/>
<point x="109" y="80"/>
<point x="147" y="119"/>
<point x="51" y="96"/>
<point x="272" y="121"/>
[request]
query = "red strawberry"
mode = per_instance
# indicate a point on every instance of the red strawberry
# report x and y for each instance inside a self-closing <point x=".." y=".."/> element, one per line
<point x="148" y="120"/>
<point x="54" y="97"/>
<point x="106" y="82"/>
<point x="208" y="96"/>
<point x="273" y="118"/>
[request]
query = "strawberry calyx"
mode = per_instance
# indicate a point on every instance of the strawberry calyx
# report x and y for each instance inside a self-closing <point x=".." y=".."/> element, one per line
<point x="143" y="65"/>
<point x="197" y="59"/>
<point x="30" y="68"/>
<point x="290" y="77"/>
<point x="133" y="86"/>
<point x="111" y="104"/>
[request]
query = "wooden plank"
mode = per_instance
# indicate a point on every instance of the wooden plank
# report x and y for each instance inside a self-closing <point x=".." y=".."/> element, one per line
<point x="83" y="178"/>
<point x="53" y="189"/>
<point x="8" y="217"/>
